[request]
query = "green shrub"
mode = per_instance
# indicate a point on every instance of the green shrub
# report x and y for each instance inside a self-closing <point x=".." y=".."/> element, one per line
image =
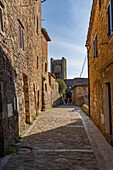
<point x="10" y="150"/>
<point x="62" y="86"/>
<point x="17" y="140"/>
<point x="35" y="117"/>
<point x="38" y="114"/>
<point x="44" y="79"/>
<point x="51" y="108"/>
<point x="14" y="145"/>
<point x="31" y="122"/>
<point x="20" y="136"/>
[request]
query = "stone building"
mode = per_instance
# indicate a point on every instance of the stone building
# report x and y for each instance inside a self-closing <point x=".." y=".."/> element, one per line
<point x="54" y="97"/>
<point x="20" y="67"/>
<point x="100" y="61"/>
<point x="50" y="91"/>
<point x="80" y="94"/>
<point x="59" y="68"/>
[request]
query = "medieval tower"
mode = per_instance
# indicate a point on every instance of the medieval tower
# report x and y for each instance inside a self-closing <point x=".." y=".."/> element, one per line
<point x="59" y="68"/>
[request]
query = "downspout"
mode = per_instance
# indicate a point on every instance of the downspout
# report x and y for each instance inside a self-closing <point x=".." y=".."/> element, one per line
<point x="87" y="46"/>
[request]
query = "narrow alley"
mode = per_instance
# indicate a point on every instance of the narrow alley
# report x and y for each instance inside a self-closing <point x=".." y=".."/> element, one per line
<point x="63" y="138"/>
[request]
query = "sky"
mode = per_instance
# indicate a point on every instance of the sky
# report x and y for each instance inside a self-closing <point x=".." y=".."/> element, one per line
<point x="66" y="22"/>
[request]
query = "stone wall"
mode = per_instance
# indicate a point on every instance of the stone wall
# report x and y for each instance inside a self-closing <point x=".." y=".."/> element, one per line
<point x="101" y="69"/>
<point x="20" y="78"/>
<point x="80" y="95"/>
<point x="50" y="92"/>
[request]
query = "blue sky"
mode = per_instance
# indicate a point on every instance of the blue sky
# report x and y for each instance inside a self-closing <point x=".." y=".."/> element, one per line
<point x="66" y="22"/>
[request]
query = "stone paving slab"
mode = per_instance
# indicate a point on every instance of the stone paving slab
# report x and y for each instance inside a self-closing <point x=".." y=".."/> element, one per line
<point x="58" y="141"/>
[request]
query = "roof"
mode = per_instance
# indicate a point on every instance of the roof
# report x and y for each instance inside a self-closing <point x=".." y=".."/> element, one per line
<point x="45" y="34"/>
<point x="91" y="20"/>
<point x="81" y="84"/>
<point x="51" y="75"/>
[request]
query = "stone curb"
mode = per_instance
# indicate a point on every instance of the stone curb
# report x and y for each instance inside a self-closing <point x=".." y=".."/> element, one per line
<point x="102" y="149"/>
<point x="34" y="122"/>
<point x="30" y="128"/>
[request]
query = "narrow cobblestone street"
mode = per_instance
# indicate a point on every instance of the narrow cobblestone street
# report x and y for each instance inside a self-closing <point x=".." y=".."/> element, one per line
<point x="57" y="141"/>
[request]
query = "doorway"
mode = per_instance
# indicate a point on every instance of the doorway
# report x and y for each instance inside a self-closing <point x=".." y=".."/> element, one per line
<point x="26" y="97"/>
<point x="108" y="114"/>
<point x="38" y="94"/>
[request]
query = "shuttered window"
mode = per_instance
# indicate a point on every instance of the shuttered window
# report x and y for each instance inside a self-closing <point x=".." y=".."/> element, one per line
<point x="108" y="15"/>
<point x="21" y="35"/>
<point x="1" y="20"/>
<point x="110" y="18"/>
<point x="95" y="47"/>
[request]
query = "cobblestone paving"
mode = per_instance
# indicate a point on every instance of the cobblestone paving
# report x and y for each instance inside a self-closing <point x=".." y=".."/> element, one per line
<point x="57" y="142"/>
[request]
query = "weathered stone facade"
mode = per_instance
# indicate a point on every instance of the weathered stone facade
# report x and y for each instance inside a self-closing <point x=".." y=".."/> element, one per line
<point x="20" y="68"/>
<point x="59" y="68"/>
<point x="50" y="91"/>
<point x="80" y="94"/>
<point x="101" y="66"/>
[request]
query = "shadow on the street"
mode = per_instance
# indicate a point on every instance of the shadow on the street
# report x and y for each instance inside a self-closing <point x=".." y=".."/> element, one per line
<point x="54" y="148"/>
<point x="8" y="101"/>
<point x="66" y="106"/>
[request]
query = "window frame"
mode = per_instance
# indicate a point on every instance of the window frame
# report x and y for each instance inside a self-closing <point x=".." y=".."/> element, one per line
<point x="37" y="26"/>
<point x="110" y="19"/>
<point x="49" y="79"/>
<point x="21" y="35"/>
<point x="95" y="47"/>
<point x="46" y="67"/>
<point x="45" y="87"/>
<point x="37" y="62"/>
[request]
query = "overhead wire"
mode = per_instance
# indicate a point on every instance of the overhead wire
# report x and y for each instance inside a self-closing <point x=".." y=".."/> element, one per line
<point x="83" y="65"/>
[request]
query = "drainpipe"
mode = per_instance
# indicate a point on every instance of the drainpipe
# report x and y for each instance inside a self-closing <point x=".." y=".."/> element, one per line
<point x="87" y="46"/>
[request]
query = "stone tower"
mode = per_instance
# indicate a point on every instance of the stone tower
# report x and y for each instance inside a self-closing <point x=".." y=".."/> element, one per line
<point x="59" y="68"/>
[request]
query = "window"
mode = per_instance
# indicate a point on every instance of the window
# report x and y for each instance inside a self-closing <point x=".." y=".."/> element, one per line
<point x="45" y="67"/>
<point x="95" y="47"/>
<point x="37" y="62"/>
<point x="110" y="18"/>
<point x="37" y="26"/>
<point x="46" y="87"/>
<point x="21" y="35"/>
<point x="49" y="79"/>
<point x="1" y="19"/>
<point x="100" y="3"/>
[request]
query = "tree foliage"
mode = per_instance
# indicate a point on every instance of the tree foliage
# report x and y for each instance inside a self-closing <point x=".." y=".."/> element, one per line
<point x="62" y="86"/>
